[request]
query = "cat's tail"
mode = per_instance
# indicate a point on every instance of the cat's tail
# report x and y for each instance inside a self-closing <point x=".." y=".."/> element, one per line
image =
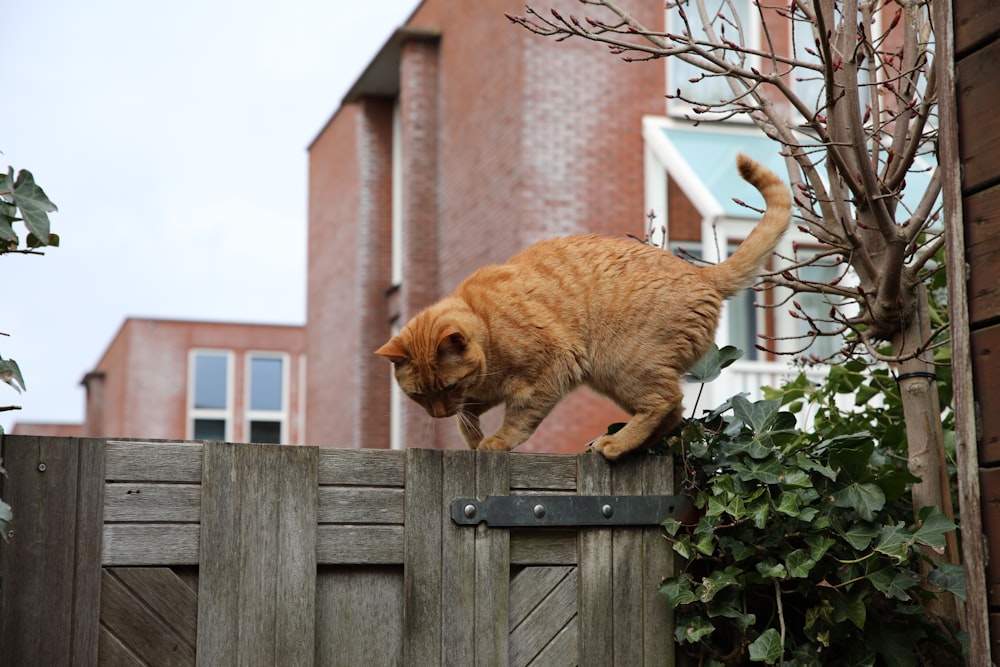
<point x="742" y="266"/>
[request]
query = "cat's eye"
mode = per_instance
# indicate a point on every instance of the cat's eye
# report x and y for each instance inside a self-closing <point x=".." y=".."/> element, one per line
<point x="450" y="387"/>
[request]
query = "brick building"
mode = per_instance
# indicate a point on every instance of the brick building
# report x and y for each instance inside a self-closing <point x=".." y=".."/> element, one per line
<point x="176" y="379"/>
<point x="465" y="140"/>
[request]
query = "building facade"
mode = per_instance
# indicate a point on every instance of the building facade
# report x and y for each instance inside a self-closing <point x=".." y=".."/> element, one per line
<point x="189" y="380"/>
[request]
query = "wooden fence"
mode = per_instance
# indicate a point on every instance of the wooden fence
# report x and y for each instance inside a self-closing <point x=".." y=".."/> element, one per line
<point x="176" y="553"/>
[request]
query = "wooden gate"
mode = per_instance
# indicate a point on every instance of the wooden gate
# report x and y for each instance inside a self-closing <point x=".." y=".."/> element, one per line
<point x="171" y="553"/>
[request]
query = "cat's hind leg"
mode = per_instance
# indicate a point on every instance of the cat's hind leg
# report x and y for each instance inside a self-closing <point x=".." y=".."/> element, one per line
<point x="652" y="418"/>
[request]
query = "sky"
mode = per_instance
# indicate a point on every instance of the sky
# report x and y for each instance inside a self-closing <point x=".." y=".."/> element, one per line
<point x="172" y="137"/>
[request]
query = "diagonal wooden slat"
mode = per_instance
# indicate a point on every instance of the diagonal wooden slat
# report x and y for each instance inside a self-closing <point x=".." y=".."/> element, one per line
<point x="547" y="617"/>
<point x="563" y="650"/>
<point x="145" y="621"/>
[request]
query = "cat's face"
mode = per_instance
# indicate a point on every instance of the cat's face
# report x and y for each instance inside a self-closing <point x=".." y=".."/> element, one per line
<point x="438" y="369"/>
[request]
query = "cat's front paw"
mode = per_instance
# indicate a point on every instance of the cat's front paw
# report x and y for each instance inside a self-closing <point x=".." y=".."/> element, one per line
<point x="494" y="444"/>
<point x="610" y="447"/>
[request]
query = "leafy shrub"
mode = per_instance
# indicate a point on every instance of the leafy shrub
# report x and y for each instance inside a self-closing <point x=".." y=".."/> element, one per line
<point x="806" y="550"/>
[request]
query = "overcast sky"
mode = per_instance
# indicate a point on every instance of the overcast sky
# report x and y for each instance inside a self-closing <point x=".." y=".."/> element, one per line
<point x="172" y="137"/>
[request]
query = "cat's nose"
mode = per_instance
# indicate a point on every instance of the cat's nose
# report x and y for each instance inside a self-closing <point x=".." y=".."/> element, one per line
<point x="439" y="410"/>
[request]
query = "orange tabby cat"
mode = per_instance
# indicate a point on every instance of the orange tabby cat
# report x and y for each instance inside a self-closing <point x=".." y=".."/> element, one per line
<point x="624" y="318"/>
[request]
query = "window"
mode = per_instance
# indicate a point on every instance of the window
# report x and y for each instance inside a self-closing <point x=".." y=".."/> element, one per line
<point x="395" y="404"/>
<point x="741" y="322"/>
<point x="210" y="391"/>
<point x="689" y="79"/>
<point x="817" y="305"/>
<point x="266" y="407"/>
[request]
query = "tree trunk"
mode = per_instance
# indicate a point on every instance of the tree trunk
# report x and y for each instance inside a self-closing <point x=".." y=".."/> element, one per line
<point x="925" y="438"/>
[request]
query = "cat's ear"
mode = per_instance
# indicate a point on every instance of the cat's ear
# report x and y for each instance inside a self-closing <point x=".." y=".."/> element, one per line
<point x="394" y="352"/>
<point x="451" y="340"/>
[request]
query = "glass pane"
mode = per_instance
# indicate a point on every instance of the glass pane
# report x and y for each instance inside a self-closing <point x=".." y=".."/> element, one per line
<point x="209" y="429"/>
<point x="818" y="307"/>
<point x="265" y="432"/>
<point x="743" y="323"/>
<point x="210" y="385"/>
<point x="689" y="79"/>
<point x="265" y="383"/>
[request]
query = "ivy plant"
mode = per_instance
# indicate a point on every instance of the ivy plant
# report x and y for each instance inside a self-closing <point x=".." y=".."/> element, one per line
<point x="805" y="550"/>
<point x="21" y="200"/>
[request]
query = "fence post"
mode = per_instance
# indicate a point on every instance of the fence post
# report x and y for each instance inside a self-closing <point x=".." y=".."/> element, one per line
<point x="257" y="578"/>
<point x="51" y="565"/>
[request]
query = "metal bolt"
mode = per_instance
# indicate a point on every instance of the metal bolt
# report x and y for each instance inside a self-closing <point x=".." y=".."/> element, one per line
<point x="539" y="510"/>
<point x="607" y="511"/>
<point x="10" y="533"/>
<point x="470" y="511"/>
<point x="41" y="467"/>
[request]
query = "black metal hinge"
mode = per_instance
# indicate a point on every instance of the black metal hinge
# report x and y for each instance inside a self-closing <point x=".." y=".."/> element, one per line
<point x="506" y="511"/>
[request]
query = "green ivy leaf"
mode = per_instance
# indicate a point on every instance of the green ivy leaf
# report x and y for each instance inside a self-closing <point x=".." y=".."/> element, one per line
<point x="717" y="581"/>
<point x="677" y="590"/>
<point x="860" y="535"/>
<point x="739" y="549"/>
<point x="949" y="577"/>
<point x="768" y="471"/>
<point x="818" y="544"/>
<point x="932" y="527"/>
<point x="671" y="525"/>
<point x="693" y="629"/>
<point x="788" y="503"/>
<point x="766" y="648"/>
<point x="710" y="366"/>
<point x="893" y="583"/>
<point x="851" y="608"/>
<point x="799" y="564"/>
<point x="865" y="499"/>
<point x="771" y="569"/>
<point x="11" y="374"/>
<point x="32" y="201"/>
<point x="759" y="416"/>
<point x="895" y="541"/>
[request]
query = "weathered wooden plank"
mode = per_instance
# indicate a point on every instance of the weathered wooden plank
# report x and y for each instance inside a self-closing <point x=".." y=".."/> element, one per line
<point x="563" y="650"/>
<point x="295" y="574"/>
<point x="167" y="594"/>
<point x="594" y="586"/>
<point x="542" y="471"/>
<point x="145" y="461"/>
<point x="361" y="505"/>
<point x="359" y="616"/>
<point x="359" y="545"/>
<point x="544" y="622"/>
<point x="361" y="467"/>
<point x="975" y="22"/>
<point x="990" y="487"/>
<point x="422" y="613"/>
<point x="657" y="564"/>
<point x="113" y="653"/>
<point x="978" y="134"/>
<point x="139" y="544"/>
<point x="257" y="556"/>
<point x="627" y="569"/>
<point x="139" y="624"/>
<point x="536" y="546"/>
<point x="149" y="502"/>
<point x="51" y="565"/>
<point x="982" y="251"/>
<point x="458" y="563"/>
<point x="530" y="586"/>
<point x="492" y="569"/>
<point x="985" y="369"/>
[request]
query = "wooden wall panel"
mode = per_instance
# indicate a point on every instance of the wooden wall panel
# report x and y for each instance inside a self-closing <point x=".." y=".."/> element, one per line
<point x="982" y="244"/>
<point x="975" y="22"/>
<point x="978" y="131"/>
<point x="985" y="371"/>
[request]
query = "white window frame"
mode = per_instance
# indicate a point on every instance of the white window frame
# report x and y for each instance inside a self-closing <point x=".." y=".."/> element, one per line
<point x="251" y="415"/>
<point x="226" y="413"/>
<point x="752" y="32"/>
<point x="396" y="404"/>
<point x="397" y="197"/>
